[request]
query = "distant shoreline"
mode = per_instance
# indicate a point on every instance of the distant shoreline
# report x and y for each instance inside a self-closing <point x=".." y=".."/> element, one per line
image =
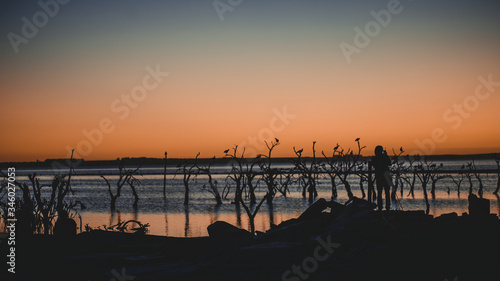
<point x="48" y="163"/>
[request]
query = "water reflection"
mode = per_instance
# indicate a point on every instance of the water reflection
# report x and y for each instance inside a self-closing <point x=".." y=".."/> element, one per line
<point x="170" y="217"/>
<point x="186" y="225"/>
<point x="114" y="217"/>
<point x="174" y="219"/>
<point x="165" y="211"/>
<point x="213" y="212"/>
<point x="136" y="214"/>
<point x="238" y="215"/>
<point x="270" y="209"/>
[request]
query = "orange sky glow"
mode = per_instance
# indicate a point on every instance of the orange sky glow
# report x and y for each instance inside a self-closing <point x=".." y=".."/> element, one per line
<point x="230" y="83"/>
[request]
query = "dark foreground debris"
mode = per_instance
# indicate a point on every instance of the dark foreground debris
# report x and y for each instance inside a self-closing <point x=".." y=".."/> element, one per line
<point x="329" y="241"/>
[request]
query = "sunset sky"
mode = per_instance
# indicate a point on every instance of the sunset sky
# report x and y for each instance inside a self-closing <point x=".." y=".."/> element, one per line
<point x="76" y="82"/>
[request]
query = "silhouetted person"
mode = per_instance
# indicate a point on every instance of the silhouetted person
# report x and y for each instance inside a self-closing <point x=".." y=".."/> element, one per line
<point x="381" y="163"/>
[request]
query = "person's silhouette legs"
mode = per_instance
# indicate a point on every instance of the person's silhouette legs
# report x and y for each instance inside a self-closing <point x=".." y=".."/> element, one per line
<point x="380" y="188"/>
<point x="383" y="187"/>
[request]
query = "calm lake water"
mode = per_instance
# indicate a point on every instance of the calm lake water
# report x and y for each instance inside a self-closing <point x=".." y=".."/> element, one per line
<point x="170" y="217"/>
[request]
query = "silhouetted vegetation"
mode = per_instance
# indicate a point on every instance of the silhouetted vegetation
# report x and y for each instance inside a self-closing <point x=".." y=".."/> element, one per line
<point x="458" y="179"/>
<point x="252" y="213"/>
<point x="349" y="163"/>
<point x="237" y="173"/>
<point x="468" y="175"/>
<point x="126" y="176"/>
<point x="412" y="178"/>
<point x="331" y="168"/>
<point x="250" y="177"/>
<point x="187" y="169"/>
<point x="435" y="177"/>
<point x="308" y="173"/>
<point x="398" y="167"/>
<point x="122" y="226"/>
<point x="269" y="174"/>
<point x="42" y="202"/>
<point x="423" y="171"/>
<point x="478" y="177"/>
<point x="36" y="212"/>
<point x="212" y="184"/>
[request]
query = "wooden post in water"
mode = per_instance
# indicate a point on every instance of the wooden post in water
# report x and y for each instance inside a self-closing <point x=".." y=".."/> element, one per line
<point x="370" y="182"/>
<point x="165" y="177"/>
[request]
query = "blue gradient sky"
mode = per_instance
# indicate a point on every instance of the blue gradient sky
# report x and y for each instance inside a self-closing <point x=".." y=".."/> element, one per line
<point x="227" y="77"/>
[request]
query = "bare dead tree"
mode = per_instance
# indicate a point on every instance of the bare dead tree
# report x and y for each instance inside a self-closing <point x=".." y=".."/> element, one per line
<point x="362" y="179"/>
<point x="249" y="179"/>
<point x="269" y="174"/>
<point x="226" y="189"/>
<point x="469" y="175"/>
<point x="411" y="177"/>
<point x="459" y="179"/>
<point x="349" y="163"/>
<point x="188" y="173"/>
<point x="212" y="184"/>
<point x="398" y="167"/>
<point x="435" y="177"/>
<point x="332" y="169"/>
<point x="237" y="173"/>
<point x="251" y="214"/>
<point x="133" y="182"/>
<point x="125" y="177"/>
<point x="285" y="179"/>
<point x="308" y="173"/>
<point x="363" y="175"/>
<point x="423" y="173"/>
<point x="477" y="175"/>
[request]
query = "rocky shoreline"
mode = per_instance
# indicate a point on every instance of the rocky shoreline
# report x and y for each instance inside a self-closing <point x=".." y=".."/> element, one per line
<point x="329" y="241"/>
